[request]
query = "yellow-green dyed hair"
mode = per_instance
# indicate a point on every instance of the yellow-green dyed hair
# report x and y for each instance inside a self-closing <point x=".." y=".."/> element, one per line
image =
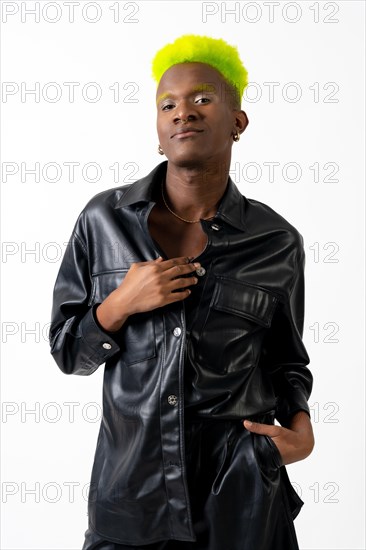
<point x="203" y="49"/>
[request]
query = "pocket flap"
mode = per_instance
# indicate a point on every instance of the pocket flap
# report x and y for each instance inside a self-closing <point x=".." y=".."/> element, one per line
<point x="244" y="300"/>
<point x="138" y="332"/>
<point x="106" y="282"/>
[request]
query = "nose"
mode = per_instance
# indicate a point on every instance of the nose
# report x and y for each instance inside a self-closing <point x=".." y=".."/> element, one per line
<point x="184" y="113"/>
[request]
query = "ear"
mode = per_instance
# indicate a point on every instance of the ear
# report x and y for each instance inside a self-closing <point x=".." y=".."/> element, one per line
<point x="241" y="121"/>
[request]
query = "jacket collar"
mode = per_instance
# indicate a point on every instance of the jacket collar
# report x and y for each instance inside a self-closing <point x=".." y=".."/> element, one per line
<point x="231" y="208"/>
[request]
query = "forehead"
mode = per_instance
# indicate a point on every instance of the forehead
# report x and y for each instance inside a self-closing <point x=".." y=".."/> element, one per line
<point x="188" y="77"/>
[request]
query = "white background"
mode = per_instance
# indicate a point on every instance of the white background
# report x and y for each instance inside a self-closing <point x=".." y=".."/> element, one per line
<point x="313" y="49"/>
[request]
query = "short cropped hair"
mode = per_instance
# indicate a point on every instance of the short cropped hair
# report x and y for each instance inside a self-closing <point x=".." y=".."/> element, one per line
<point x="203" y="49"/>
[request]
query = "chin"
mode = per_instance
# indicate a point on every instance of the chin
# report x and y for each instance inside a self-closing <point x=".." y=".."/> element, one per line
<point x="191" y="160"/>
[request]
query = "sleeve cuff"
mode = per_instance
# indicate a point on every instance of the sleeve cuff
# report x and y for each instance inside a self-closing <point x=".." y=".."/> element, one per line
<point x="286" y="408"/>
<point x="101" y="341"/>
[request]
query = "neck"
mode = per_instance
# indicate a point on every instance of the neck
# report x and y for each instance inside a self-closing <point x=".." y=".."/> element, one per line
<point x="194" y="193"/>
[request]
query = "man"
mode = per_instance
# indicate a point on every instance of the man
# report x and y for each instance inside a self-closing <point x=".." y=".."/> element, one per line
<point x="193" y="296"/>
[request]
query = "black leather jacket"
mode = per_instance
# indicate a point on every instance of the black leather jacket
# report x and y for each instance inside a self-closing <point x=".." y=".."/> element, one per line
<point x="245" y="348"/>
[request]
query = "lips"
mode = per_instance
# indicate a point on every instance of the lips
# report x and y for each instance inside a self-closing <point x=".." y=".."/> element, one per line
<point x="188" y="131"/>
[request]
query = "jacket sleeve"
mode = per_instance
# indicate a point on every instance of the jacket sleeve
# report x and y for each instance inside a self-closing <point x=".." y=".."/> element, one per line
<point x="78" y="343"/>
<point x="284" y="354"/>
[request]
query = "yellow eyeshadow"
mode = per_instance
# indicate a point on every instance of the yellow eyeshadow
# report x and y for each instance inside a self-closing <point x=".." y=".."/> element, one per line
<point x="203" y="88"/>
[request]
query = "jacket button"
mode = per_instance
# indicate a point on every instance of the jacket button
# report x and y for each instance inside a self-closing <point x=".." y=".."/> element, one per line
<point x="106" y="345"/>
<point x="215" y="227"/>
<point x="177" y="331"/>
<point x="173" y="400"/>
<point x="200" y="271"/>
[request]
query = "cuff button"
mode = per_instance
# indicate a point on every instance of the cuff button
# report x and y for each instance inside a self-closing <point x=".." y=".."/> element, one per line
<point x="106" y="345"/>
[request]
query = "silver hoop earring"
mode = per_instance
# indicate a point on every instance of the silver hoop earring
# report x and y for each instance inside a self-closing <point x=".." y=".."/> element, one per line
<point x="236" y="136"/>
<point x="160" y="151"/>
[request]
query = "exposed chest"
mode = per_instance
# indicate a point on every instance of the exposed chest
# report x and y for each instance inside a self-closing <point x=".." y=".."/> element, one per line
<point x="176" y="238"/>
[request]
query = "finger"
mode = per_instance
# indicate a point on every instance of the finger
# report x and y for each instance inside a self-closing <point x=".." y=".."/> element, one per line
<point x="180" y="270"/>
<point x="177" y="284"/>
<point x="165" y="265"/>
<point x="181" y="262"/>
<point x="178" y="296"/>
<point x="263" y="429"/>
<point x="147" y="263"/>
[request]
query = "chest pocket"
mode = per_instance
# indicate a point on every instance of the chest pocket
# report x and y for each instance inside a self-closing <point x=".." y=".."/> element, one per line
<point x="137" y="336"/>
<point x="237" y="314"/>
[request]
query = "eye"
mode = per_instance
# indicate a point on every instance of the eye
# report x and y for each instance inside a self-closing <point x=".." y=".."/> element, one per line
<point x="203" y="99"/>
<point x="167" y="106"/>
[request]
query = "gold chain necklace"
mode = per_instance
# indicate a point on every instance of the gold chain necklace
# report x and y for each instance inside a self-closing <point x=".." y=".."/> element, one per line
<point x="176" y="215"/>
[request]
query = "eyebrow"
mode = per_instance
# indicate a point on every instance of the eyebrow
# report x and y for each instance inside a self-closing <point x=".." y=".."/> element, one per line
<point x="204" y="87"/>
